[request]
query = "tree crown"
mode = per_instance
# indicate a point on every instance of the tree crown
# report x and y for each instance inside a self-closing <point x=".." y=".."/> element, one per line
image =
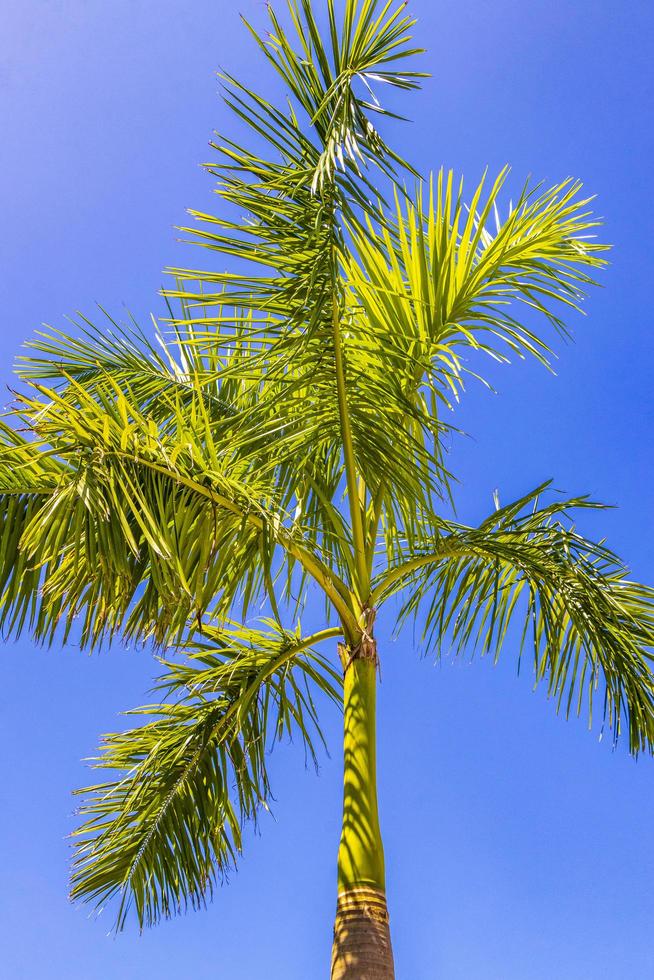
<point x="284" y="429"/>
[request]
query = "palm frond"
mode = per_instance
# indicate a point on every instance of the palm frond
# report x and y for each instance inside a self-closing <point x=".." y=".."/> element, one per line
<point x="588" y="626"/>
<point x="168" y="825"/>
<point x="441" y="277"/>
<point x="149" y="524"/>
<point x="322" y="74"/>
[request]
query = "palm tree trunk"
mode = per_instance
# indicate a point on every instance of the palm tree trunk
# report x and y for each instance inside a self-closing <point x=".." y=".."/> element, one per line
<point x="362" y="942"/>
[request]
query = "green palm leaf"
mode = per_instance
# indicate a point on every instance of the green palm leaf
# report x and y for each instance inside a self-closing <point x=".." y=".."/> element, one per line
<point x="149" y="525"/>
<point x="169" y="824"/>
<point x="589" y="628"/>
<point x="439" y="277"/>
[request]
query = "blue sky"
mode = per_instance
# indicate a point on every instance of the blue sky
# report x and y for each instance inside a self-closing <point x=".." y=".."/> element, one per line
<point x="518" y="846"/>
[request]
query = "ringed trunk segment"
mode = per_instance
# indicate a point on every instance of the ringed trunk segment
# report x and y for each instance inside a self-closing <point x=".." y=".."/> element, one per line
<point x="362" y="939"/>
<point x="362" y="944"/>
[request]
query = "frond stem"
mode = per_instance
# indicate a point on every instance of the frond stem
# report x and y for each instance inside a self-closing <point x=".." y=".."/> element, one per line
<point x="393" y="575"/>
<point x="361" y="565"/>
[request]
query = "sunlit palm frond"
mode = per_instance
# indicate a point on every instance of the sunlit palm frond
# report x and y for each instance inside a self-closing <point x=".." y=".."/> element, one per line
<point x="148" y="525"/>
<point x="322" y="74"/>
<point x="443" y="275"/>
<point x="588" y="626"/>
<point x="169" y="822"/>
<point x="154" y="371"/>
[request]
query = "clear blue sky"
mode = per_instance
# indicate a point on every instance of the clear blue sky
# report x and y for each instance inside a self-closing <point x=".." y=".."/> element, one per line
<point x="518" y="846"/>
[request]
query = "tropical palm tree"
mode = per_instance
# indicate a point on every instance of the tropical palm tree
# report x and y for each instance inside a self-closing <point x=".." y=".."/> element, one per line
<point x="281" y="435"/>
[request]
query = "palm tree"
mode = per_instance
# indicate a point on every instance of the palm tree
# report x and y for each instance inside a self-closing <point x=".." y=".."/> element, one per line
<point x="281" y="436"/>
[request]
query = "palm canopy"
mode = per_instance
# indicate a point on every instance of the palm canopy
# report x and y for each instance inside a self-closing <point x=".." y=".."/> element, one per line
<point x="285" y="429"/>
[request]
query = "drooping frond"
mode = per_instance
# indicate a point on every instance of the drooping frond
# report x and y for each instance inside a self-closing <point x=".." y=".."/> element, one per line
<point x="259" y="413"/>
<point x="150" y="523"/>
<point x="587" y="625"/>
<point x="168" y="823"/>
